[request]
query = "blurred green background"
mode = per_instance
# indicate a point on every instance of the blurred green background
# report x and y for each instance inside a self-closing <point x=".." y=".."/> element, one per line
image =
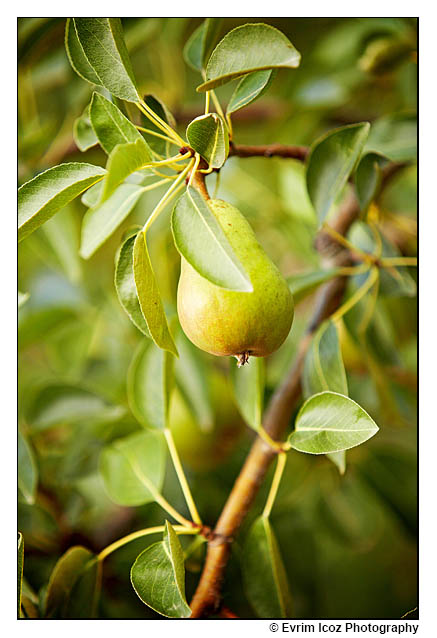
<point x="348" y="543"/>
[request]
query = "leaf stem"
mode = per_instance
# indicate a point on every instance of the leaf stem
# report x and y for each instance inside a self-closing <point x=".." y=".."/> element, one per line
<point x="346" y="243"/>
<point x="207" y="95"/>
<point x="181" y="476"/>
<point x="179" y="529"/>
<point x="278" y="446"/>
<point x="358" y="294"/>
<point x="398" y="261"/>
<point x="148" y="112"/>
<point x="155" y="134"/>
<point x="193" y="172"/>
<point x="364" y="323"/>
<point x="174" y="188"/>
<point x="282" y="459"/>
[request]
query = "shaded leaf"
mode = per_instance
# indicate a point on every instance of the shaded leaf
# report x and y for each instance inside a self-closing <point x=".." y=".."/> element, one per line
<point x="332" y="159"/>
<point x="42" y="197"/>
<point x="133" y="467"/>
<point x="125" y="285"/>
<point x="150" y="380"/>
<point x="201" y="42"/>
<point x="208" y="136"/>
<point x="394" y="136"/>
<point x="83" y="133"/>
<point x="324" y="367"/>
<point x="251" y="47"/>
<point x="149" y="296"/>
<point x="303" y="284"/>
<point x="110" y="125"/>
<point x="91" y="196"/>
<point x="368" y="178"/>
<point x="83" y="601"/>
<point x="339" y="460"/>
<point x="248" y="386"/>
<point x="249" y="89"/>
<point x="200" y="239"/>
<point x="99" y="223"/>
<point x="264" y="577"/>
<point x="62" y="580"/>
<point x="124" y="160"/>
<point x="330" y="422"/>
<point x="63" y="236"/>
<point x="27" y="470"/>
<point x="20" y="562"/>
<point x="97" y="52"/>
<point x="158" y="576"/>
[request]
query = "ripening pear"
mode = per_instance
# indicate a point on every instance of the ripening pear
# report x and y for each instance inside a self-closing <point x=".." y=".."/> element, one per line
<point x="229" y="323"/>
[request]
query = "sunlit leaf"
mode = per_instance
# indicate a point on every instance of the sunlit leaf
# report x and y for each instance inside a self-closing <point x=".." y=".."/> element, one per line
<point x="83" y="133"/>
<point x="124" y="160"/>
<point x="249" y="89"/>
<point x="208" y="136"/>
<point x="110" y="125"/>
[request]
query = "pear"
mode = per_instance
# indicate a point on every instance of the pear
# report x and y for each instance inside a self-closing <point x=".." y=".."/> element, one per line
<point x="230" y="323"/>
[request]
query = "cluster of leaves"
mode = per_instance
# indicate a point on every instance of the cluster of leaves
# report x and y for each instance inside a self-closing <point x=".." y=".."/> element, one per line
<point x="128" y="427"/>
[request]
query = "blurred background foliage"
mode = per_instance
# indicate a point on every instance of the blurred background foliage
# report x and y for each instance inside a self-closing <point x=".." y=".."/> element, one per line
<point x="348" y="543"/>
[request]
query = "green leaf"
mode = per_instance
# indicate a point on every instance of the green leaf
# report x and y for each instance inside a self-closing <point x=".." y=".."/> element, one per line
<point x="249" y="89"/>
<point x="83" y="133"/>
<point x="201" y="241"/>
<point x="97" y="52"/>
<point x="264" y="577"/>
<point x="125" y="285"/>
<point x="249" y="48"/>
<point x="65" y="574"/>
<point x="91" y="197"/>
<point x="248" y="386"/>
<point x="133" y="467"/>
<point x="20" y="562"/>
<point x="149" y="297"/>
<point x="332" y="159"/>
<point x="63" y="236"/>
<point x="158" y="576"/>
<point x="208" y="136"/>
<point x="330" y="422"/>
<point x="110" y="125"/>
<point x="368" y="178"/>
<point x="83" y="601"/>
<point x="201" y="42"/>
<point x="42" y="197"/>
<point x="394" y="136"/>
<point x="339" y="460"/>
<point x="124" y="160"/>
<point x="27" y="470"/>
<point x="160" y="146"/>
<point x="22" y="298"/>
<point x="99" y="223"/>
<point x="305" y="283"/>
<point x="150" y="380"/>
<point x="324" y="368"/>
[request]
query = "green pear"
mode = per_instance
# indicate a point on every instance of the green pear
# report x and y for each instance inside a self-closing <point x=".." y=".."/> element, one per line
<point x="229" y="323"/>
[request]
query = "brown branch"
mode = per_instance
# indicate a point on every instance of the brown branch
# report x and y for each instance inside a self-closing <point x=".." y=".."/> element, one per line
<point x="269" y="150"/>
<point x="206" y="599"/>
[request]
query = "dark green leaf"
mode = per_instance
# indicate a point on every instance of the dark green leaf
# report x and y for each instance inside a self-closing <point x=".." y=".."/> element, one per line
<point x="394" y="136"/>
<point x="158" y="576"/>
<point x="208" y="136"/>
<point x="368" y="178"/>
<point x="330" y="422"/>
<point x="110" y="125"/>
<point x="251" y="47"/>
<point x="249" y="89"/>
<point x="201" y="42"/>
<point x="248" y="386"/>
<point x="48" y="192"/>
<point x="265" y="580"/>
<point x="125" y="285"/>
<point x="149" y="296"/>
<point x="99" y="223"/>
<point x="20" y="563"/>
<point x="305" y="283"/>
<point x="150" y="380"/>
<point x="62" y="580"/>
<point x="201" y="241"/>
<point x="332" y="159"/>
<point x="133" y="467"/>
<point x="27" y="470"/>
<point x="84" y="597"/>
<point x="97" y="52"/>
<point x="83" y="133"/>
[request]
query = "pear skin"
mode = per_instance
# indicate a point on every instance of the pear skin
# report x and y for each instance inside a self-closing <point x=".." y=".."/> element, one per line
<point x="230" y="323"/>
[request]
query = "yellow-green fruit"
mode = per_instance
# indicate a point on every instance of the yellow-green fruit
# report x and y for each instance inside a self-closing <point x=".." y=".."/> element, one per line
<point x="202" y="451"/>
<point x="225" y="322"/>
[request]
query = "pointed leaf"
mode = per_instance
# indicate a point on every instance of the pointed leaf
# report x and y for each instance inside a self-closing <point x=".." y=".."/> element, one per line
<point x="158" y="576"/>
<point x="324" y="367"/>
<point x="83" y="132"/>
<point x="264" y="577"/>
<point x="249" y="89"/>
<point x="332" y="160"/>
<point x="339" y="460"/>
<point x="97" y="52"/>
<point x="248" y="386"/>
<point x="208" y="136"/>
<point x="125" y="285"/>
<point x="305" y="283"/>
<point x="150" y="379"/>
<point x="330" y="422"/>
<point x="110" y="125"/>
<point x="84" y="598"/>
<point x="133" y="467"/>
<point x="42" y="197"/>
<point x="20" y="562"/>
<point x="99" y="223"/>
<point x="62" y="580"/>
<point x="201" y="42"/>
<point x="149" y="296"/>
<point x="27" y="470"/>
<point x="201" y="241"/>
<point x="124" y="160"/>
<point x="368" y="178"/>
<point x="251" y="47"/>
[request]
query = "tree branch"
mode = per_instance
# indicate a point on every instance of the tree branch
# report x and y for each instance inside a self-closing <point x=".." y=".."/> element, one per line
<point x="269" y="150"/>
<point x="206" y="599"/>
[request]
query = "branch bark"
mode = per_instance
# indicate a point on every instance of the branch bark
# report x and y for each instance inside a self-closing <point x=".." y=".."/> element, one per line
<point x="207" y="597"/>
<point x="269" y="150"/>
